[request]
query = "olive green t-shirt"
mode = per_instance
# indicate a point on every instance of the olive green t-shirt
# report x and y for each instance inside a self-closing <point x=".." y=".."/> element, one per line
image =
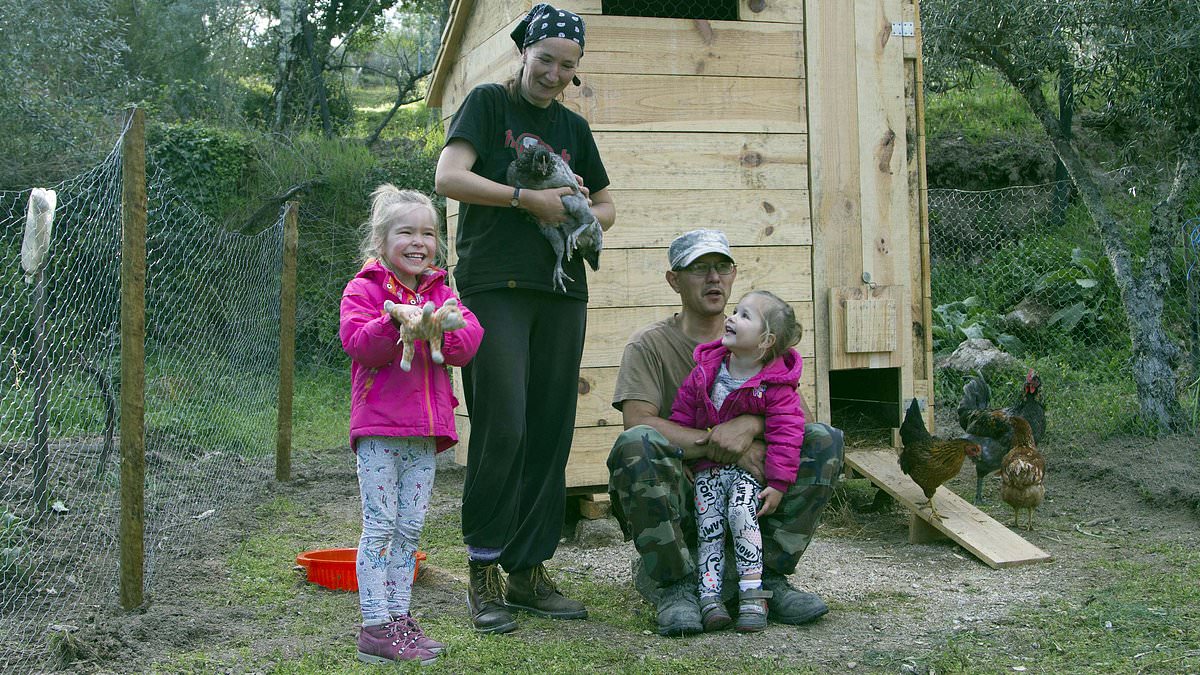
<point x="656" y="361"/>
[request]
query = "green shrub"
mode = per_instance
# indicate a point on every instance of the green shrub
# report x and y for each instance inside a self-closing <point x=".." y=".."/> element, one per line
<point x="206" y="164"/>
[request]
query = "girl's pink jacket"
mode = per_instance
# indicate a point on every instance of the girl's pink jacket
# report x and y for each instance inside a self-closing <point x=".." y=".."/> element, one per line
<point x="770" y="394"/>
<point x="385" y="400"/>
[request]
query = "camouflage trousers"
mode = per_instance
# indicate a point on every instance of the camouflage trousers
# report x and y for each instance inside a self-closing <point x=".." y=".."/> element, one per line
<point x="653" y="500"/>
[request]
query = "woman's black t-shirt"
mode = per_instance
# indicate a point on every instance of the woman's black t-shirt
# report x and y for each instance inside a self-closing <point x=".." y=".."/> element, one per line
<point x="502" y="247"/>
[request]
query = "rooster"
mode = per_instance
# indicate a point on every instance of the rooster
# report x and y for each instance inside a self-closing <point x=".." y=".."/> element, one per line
<point x="928" y="460"/>
<point x="1022" y="472"/>
<point x="537" y="168"/>
<point x="995" y="438"/>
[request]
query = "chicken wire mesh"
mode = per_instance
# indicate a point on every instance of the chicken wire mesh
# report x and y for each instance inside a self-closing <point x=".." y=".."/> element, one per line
<point x="212" y="306"/>
<point x="714" y="10"/>
<point x="1026" y="269"/>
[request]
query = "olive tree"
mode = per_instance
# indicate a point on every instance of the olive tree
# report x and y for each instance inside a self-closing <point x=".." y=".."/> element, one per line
<point x="1134" y="65"/>
<point x="63" y="84"/>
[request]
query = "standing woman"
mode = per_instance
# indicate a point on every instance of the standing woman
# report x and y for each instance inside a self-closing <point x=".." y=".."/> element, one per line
<point x="521" y="388"/>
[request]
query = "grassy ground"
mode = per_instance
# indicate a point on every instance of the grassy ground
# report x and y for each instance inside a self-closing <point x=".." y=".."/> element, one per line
<point x="1120" y="597"/>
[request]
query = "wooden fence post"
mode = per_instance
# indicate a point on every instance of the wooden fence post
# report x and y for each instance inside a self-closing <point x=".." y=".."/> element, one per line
<point x="34" y="255"/>
<point x="41" y="396"/>
<point x="133" y="356"/>
<point x="287" y="344"/>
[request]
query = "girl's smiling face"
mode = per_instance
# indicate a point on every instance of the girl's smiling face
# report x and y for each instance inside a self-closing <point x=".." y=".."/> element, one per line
<point x="745" y="330"/>
<point x="411" y="245"/>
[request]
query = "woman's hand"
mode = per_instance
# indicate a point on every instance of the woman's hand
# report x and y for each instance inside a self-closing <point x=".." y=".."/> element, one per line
<point x="583" y="188"/>
<point x="770" y="501"/>
<point x="546" y="206"/>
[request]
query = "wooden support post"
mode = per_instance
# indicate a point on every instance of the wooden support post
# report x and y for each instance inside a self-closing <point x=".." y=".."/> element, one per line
<point x="594" y="506"/>
<point x="921" y="532"/>
<point x="287" y="344"/>
<point x="133" y="356"/>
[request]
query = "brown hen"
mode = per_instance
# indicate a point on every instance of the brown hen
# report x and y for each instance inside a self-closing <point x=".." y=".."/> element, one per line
<point x="1023" y="472"/>
<point x="928" y="460"/>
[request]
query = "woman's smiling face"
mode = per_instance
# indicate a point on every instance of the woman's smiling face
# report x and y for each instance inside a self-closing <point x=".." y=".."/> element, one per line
<point x="549" y="66"/>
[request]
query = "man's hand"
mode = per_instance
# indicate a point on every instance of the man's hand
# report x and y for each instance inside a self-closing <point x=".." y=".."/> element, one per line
<point x="730" y="440"/>
<point x="770" y="501"/>
<point x="754" y="461"/>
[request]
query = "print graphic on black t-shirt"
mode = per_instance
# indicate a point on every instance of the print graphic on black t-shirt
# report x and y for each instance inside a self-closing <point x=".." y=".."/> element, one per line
<point x="526" y="141"/>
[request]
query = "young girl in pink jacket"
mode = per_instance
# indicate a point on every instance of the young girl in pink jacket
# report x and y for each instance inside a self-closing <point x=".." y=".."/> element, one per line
<point x="752" y="370"/>
<point x="398" y="420"/>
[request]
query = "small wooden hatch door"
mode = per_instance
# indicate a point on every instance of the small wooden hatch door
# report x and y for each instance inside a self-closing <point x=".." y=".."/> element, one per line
<point x="864" y="327"/>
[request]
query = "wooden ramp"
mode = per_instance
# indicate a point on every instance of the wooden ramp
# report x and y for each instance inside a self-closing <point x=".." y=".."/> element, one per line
<point x="971" y="528"/>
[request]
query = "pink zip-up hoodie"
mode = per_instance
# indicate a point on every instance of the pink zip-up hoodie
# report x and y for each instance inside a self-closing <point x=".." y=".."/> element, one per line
<point x="771" y="394"/>
<point x="385" y="400"/>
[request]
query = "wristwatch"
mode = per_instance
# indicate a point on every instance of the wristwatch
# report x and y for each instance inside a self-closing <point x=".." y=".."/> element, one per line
<point x="516" y="198"/>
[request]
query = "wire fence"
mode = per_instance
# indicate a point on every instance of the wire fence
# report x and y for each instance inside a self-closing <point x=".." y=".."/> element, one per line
<point x="1020" y="267"/>
<point x="713" y="10"/>
<point x="212" y="340"/>
<point x="1025" y="269"/>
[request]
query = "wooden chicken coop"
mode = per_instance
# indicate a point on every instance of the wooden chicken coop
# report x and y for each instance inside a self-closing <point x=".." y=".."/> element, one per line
<point x="795" y="127"/>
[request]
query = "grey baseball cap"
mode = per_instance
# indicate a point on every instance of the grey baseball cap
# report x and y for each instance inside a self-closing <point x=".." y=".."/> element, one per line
<point x="691" y="245"/>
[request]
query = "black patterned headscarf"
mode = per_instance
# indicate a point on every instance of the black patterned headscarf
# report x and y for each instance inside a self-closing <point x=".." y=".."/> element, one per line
<point x="544" y="21"/>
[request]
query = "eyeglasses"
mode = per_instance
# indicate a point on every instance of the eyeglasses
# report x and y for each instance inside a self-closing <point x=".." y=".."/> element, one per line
<point x="699" y="269"/>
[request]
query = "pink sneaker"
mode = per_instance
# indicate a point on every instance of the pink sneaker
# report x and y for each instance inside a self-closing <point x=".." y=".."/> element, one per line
<point x="392" y="642"/>
<point x="407" y="622"/>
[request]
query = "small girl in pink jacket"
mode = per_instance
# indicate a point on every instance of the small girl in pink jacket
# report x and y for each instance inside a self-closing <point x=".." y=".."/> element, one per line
<point x="398" y="420"/>
<point x="752" y="370"/>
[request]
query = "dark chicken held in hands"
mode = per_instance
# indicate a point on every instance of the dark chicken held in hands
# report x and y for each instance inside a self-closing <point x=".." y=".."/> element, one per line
<point x="537" y="168"/>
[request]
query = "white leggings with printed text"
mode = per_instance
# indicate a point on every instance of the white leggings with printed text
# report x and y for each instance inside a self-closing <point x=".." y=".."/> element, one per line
<point x="726" y="496"/>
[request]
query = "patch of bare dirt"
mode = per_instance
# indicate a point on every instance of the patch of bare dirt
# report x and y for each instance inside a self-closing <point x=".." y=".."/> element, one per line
<point x="887" y="596"/>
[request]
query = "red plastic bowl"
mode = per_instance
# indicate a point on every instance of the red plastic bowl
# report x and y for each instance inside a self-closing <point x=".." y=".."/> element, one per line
<point x="334" y="567"/>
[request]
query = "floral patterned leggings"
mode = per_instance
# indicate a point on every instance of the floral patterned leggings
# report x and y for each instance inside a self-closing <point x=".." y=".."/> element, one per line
<point x="395" y="479"/>
<point x="726" y="496"/>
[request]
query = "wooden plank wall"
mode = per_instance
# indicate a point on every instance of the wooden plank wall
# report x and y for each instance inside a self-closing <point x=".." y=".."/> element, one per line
<point x="866" y="175"/>
<point x="920" y="292"/>
<point x="709" y="128"/>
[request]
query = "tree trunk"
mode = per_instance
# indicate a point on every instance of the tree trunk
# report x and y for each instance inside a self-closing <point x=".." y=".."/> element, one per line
<point x="1154" y="353"/>
<point x="404" y="91"/>
<point x="1062" y="180"/>
<point x="287" y="33"/>
<point x="316" y="67"/>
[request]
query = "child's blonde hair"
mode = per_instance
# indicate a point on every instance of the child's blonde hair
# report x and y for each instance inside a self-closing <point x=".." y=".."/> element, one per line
<point x="779" y="321"/>
<point x="388" y="203"/>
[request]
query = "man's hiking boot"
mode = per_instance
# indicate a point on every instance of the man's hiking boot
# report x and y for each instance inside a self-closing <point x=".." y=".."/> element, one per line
<point x="713" y="614"/>
<point x="391" y="643"/>
<point x="533" y="591"/>
<point x="752" y="610"/>
<point x="678" y="609"/>
<point x="789" y="605"/>
<point x="485" y="599"/>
